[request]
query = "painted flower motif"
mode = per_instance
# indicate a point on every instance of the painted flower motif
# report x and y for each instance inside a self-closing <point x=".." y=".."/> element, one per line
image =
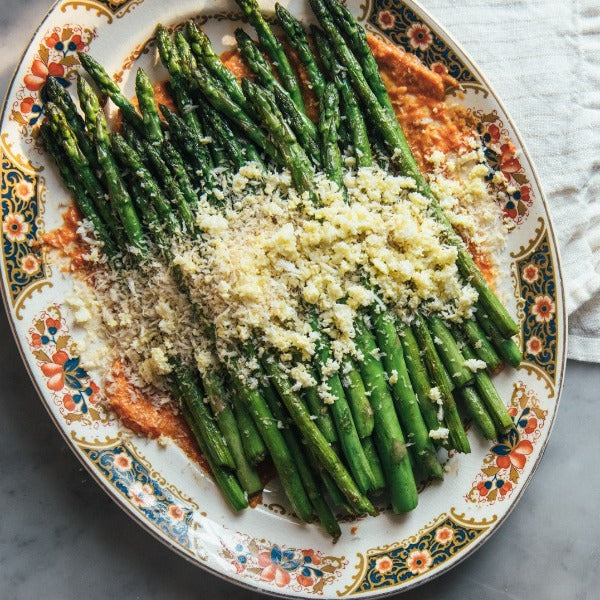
<point x="384" y="564"/>
<point x="122" y="462"/>
<point x="517" y="456"/>
<point x="55" y="370"/>
<point x="241" y="560"/>
<point x="543" y="308"/>
<point x="509" y="163"/>
<point x="15" y="228"/>
<point x="530" y="273"/>
<point x="69" y="402"/>
<point x="531" y="425"/>
<point x="176" y="512"/>
<point x="142" y="495"/>
<point x="272" y="566"/>
<point x="504" y="486"/>
<point x="30" y="264"/>
<point x="278" y="564"/>
<point x="492" y="135"/>
<point x="444" y="535"/>
<point x="386" y="19"/>
<point x="439" y="68"/>
<point x="419" y="36"/>
<point x="484" y="487"/>
<point x="27" y="105"/>
<point x="419" y="561"/>
<point x="534" y="345"/>
<point x="24" y="190"/>
<point x="39" y="73"/>
<point x="54" y="41"/>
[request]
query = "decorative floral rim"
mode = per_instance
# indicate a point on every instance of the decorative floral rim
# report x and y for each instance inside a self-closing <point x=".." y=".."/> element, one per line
<point x="284" y="564"/>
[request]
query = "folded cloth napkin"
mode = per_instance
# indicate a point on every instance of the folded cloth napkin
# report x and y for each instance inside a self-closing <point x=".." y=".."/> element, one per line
<point x="543" y="59"/>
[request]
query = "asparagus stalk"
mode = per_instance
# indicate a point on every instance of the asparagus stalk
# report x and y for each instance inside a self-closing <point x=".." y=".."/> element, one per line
<point x="419" y="379"/>
<point x="449" y="352"/>
<point x="73" y="182"/>
<point x="329" y="122"/>
<point x="296" y="36"/>
<point x="357" y="40"/>
<point x="302" y="126"/>
<point x="481" y="345"/>
<point x="204" y="53"/>
<point x="226" y="481"/>
<point x="324" y="514"/>
<point x="109" y="88"/>
<point x="487" y="391"/>
<point x="254" y="447"/>
<point x="57" y="94"/>
<point x="389" y="439"/>
<point x="354" y="120"/>
<point x="144" y="90"/>
<point x="357" y="399"/>
<point x="187" y="389"/>
<point x="435" y="367"/>
<point x="315" y="439"/>
<point x="132" y="161"/>
<point x="223" y="414"/>
<point x="504" y="346"/>
<point x="192" y="148"/>
<point x="406" y="400"/>
<point x="477" y="411"/>
<point x="274" y="49"/>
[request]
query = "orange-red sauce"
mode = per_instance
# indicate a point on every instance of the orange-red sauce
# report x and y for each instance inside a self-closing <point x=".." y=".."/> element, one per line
<point x="141" y="415"/>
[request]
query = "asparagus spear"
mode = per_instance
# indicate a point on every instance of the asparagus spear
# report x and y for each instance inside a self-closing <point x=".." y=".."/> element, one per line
<point x="202" y="49"/>
<point x="187" y="140"/>
<point x="357" y="40"/>
<point x="324" y="514"/>
<point x="449" y="352"/>
<point x="144" y="91"/>
<point x="329" y="122"/>
<point x="458" y="436"/>
<point x="357" y="399"/>
<point x="355" y="122"/>
<point x="418" y="376"/>
<point x="74" y="183"/>
<point x="406" y="401"/>
<point x="302" y="126"/>
<point x="389" y="438"/>
<point x="108" y="87"/>
<point x="254" y="447"/>
<point x="505" y="347"/>
<point x="274" y="49"/>
<point x="187" y="388"/>
<point x="132" y="161"/>
<point x="487" y="391"/>
<point x="117" y="193"/>
<point x="314" y="437"/>
<point x="481" y="345"/>
<point x="226" y="481"/>
<point x="296" y="36"/>
<point x="57" y="94"/>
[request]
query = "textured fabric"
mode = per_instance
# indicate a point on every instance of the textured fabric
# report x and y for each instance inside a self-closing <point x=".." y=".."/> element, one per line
<point x="543" y="59"/>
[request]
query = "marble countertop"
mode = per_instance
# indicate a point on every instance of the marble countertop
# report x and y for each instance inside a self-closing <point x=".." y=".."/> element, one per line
<point x="53" y="513"/>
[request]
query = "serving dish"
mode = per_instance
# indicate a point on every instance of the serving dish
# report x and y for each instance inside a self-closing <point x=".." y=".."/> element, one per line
<point x="266" y="548"/>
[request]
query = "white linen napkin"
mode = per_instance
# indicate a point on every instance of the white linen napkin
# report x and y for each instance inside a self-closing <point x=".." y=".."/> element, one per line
<point x="543" y="59"/>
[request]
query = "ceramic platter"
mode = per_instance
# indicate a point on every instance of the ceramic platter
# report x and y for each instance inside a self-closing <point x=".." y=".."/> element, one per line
<point x="266" y="548"/>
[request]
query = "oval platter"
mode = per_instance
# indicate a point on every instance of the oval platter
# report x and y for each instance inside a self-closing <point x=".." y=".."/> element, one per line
<point x="266" y="548"/>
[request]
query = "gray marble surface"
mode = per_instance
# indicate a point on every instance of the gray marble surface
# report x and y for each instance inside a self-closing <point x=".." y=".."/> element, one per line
<point x="53" y="515"/>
